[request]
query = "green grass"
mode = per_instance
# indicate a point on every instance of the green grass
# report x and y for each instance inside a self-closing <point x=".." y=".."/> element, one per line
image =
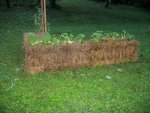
<point x="80" y="90"/>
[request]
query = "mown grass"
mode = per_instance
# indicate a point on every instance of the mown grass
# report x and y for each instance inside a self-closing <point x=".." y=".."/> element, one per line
<point x="105" y="89"/>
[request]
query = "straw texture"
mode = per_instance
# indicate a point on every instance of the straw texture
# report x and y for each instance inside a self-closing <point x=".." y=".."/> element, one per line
<point x="40" y="58"/>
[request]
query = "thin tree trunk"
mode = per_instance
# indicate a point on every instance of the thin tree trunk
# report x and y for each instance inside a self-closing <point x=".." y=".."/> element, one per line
<point x="43" y="7"/>
<point x="38" y="3"/>
<point x="107" y="3"/>
<point x="52" y="3"/>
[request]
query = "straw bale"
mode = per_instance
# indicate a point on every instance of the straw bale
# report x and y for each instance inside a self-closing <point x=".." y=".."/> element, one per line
<point x="54" y="58"/>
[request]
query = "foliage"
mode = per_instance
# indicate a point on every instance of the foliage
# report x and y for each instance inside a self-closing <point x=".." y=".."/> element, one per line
<point x="38" y="20"/>
<point x="143" y="3"/>
<point x="67" y="37"/>
<point x="33" y="39"/>
<point x="126" y="35"/>
<point x="55" y="41"/>
<point x="70" y="38"/>
<point x="46" y="38"/>
<point x="80" y="38"/>
<point x="98" y="35"/>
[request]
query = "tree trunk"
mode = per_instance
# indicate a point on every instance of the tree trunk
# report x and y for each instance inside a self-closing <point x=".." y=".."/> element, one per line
<point x="107" y="3"/>
<point x="7" y="3"/>
<point x="52" y="3"/>
<point x="43" y="7"/>
<point x="38" y="3"/>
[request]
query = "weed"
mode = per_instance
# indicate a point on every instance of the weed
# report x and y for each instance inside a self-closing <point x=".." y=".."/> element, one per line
<point x="38" y="21"/>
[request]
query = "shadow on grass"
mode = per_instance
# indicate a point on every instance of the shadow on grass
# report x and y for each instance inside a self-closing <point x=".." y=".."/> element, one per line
<point x="2" y="109"/>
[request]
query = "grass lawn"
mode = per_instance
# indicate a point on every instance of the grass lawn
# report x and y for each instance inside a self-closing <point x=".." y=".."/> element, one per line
<point x="119" y="88"/>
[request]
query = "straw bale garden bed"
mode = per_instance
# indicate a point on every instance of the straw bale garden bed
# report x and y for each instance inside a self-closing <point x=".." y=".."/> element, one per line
<point x="58" y="52"/>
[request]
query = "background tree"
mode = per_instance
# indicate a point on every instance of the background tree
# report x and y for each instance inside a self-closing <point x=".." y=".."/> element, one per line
<point x="52" y="3"/>
<point x="38" y="3"/>
<point x="7" y="3"/>
<point x="107" y="2"/>
<point x="141" y="3"/>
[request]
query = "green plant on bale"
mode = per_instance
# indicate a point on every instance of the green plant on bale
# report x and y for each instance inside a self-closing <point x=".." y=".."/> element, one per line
<point x="80" y="38"/>
<point x="114" y="35"/>
<point x="96" y="36"/>
<point x="55" y="41"/>
<point x="46" y="39"/>
<point x="70" y="38"/>
<point x="33" y="39"/>
<point x="127" y="35"/>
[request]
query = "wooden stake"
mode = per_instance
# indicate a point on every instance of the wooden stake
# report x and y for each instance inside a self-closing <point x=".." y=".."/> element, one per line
<point x="43" y="7"/>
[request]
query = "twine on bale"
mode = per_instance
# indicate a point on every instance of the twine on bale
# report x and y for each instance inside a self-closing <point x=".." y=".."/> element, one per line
<point x="88" y="54"/>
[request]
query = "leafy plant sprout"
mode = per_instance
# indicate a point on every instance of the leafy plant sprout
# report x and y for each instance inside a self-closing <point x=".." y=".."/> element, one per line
<point x="126" y="35"/>
<point x="80" y="38"/>
<point x="96" y="36"/>
<point x="69" y="38"/>
<point x="33" y="39"/>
